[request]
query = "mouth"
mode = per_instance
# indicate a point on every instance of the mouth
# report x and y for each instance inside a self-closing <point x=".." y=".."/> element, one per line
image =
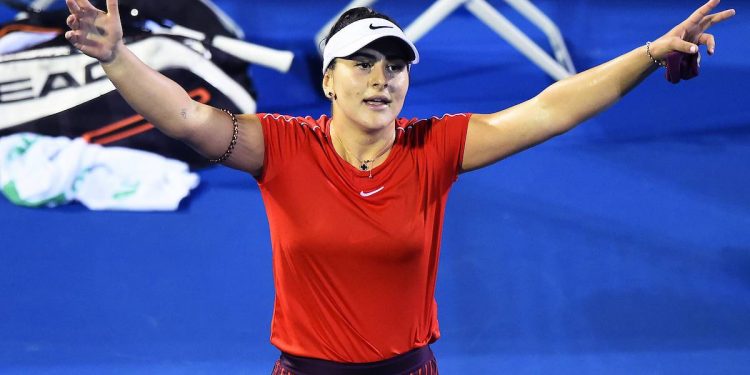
<point x="378" y="101"/>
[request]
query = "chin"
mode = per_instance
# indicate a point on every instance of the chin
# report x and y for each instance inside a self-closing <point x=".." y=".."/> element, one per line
<point x="379" y="121"/>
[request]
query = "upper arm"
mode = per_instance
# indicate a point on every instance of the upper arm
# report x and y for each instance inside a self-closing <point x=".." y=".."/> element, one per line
<point x="211" y="134"/>
<point x="493" y="137"/>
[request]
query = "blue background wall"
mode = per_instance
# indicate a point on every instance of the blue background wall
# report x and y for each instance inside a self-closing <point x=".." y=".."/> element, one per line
<point x="621" y="247"/>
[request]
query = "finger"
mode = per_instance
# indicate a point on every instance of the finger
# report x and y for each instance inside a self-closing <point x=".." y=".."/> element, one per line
<point x="85" y="4"/>
<point x="112" y="8"/>
<point x="709" y="41"/>
<point x="80" y="42"/>
<point x="88" y="8"/>
<point x="680" y="45"/>
<point x="715" y="18"/>
<point x="74" y="38"/>
<point x="703" y="11"/>
<point x="73" y="22"/>
<point x="96" y="37"/>
<point x="73" y="6"/>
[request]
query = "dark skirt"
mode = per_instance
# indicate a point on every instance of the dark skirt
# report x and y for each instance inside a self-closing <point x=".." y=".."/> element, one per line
<point x="416" y="362"/>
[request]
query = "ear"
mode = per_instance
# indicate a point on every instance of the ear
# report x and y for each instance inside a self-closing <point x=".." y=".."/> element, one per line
<point x="327" y="82"/>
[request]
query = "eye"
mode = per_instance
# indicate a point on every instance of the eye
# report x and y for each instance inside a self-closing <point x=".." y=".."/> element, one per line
<point x="396" y="67"/>
<point x="363" y="65"/>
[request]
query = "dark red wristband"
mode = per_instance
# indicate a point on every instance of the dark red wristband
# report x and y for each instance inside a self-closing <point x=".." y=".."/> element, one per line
<point x="682" y="66"/>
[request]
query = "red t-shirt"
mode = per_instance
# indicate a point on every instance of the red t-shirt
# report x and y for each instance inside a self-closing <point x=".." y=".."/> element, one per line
<point x="355" y="258"/>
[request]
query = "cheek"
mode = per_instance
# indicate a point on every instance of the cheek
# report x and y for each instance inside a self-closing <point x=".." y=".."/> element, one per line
<point x="355" y="87"/>
<point x="400" y="85"/>
<point x="398" y="95"/>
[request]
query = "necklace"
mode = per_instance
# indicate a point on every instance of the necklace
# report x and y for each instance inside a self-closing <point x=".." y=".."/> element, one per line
<point x="365" y="165"/>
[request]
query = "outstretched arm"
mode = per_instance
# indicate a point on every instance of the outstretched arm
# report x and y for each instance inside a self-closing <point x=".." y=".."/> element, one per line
<point x="569" y="102"/>
<point x="159" y="99"/>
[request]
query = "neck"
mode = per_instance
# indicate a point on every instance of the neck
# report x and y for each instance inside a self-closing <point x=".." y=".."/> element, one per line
<point x="356" y="145"/>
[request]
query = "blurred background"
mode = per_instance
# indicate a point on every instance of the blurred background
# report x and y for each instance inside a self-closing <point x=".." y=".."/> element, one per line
<point x="621" y="247"/>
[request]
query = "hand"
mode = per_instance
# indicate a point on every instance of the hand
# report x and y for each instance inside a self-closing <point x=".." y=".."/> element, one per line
<point x="688" y="35"/>
<point x="94" y="32"/>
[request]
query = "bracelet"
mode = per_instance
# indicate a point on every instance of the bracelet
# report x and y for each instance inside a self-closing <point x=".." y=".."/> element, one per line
<point x="661" y="63"/>
<point x="235" y="132"/>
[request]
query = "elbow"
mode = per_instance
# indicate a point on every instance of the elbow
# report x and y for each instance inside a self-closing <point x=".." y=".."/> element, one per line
<point x="180" y="132"/>
<point x="550" y="117"/>
<point x="184" y="124"/>
<point x="559" y="111"/>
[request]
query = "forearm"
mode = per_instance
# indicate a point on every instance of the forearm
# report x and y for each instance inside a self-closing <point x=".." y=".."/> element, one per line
<point x="575" y="99"/>
<point x="157" y="98"/>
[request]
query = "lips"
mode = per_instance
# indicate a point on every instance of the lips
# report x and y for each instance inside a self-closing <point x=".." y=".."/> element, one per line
<point x="377" y="100"/>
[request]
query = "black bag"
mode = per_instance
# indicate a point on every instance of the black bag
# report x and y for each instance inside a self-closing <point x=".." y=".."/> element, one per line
<point x="48" y="87"/>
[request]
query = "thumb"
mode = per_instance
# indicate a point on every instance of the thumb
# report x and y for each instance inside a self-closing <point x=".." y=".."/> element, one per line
<point x="112" y="8"/>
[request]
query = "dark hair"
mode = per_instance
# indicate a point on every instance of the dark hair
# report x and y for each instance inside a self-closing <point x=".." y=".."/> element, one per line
<point x="350" y="16"/>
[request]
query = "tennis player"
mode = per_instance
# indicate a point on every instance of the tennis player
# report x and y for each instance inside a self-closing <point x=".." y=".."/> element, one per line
<point x="355" y="200"/>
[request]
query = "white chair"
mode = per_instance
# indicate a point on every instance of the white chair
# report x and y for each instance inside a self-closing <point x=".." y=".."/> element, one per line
<point x="559" y="67"/>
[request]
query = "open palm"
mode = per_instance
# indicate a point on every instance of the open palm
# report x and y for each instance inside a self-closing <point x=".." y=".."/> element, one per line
<point x="94" y="32"/>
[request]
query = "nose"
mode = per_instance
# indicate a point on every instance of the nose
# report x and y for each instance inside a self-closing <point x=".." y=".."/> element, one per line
<point x="378" y="75"/>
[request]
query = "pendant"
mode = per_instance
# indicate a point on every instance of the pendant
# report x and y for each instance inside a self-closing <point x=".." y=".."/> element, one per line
<point x="363" y="167"/>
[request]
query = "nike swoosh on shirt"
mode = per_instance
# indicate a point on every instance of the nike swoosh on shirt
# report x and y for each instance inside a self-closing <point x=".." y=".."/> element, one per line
<point x="379" y="27"/>
<point x="371" y="193"/>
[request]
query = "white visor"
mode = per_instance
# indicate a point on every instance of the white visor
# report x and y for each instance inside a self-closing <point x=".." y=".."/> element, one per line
<point x="358" y="34"/>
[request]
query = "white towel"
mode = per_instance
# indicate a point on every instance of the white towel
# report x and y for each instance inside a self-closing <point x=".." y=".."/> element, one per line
<point x="38" y="171"/>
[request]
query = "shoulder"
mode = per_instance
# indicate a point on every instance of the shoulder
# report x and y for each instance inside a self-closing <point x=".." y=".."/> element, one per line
<point x="276" y="123"/>
<point x="305" y="121"/>
<point x="404" y="123"/>
<point x="435" y="123"/>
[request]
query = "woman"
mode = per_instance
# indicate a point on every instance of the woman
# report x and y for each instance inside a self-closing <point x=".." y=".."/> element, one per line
<point x="355" y="201"/>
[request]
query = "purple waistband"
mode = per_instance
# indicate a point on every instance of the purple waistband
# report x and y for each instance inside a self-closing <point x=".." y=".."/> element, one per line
<point x="400" y="364"/>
